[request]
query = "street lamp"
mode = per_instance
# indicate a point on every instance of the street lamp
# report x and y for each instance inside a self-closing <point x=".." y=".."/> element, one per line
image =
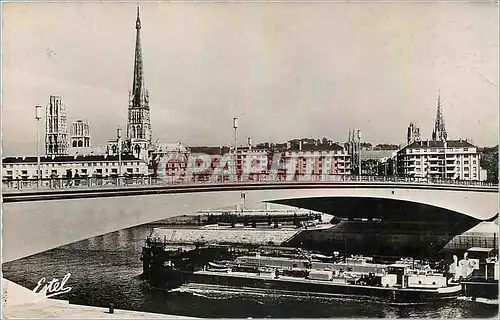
<point x="119" y="141"/>
<point x="38" y="116"/>
<point x="359" y="152"/>
<point x="235" y="127"/>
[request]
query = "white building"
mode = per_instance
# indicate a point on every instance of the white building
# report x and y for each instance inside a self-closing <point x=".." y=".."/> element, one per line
<point x="452" y="159"/>
<point x="70" y="166"/>
<point x="329" y="159"/>
<point x="80" y="134"/>
<point x="172" y="157"/>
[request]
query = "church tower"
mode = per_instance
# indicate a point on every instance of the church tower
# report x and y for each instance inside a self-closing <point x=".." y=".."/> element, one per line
<point x="138" y="124"/>
<point x="439" y="133"/>
<point x="56" y="135"/>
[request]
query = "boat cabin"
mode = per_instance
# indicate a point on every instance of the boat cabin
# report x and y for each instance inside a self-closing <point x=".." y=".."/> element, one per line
<point x="482" y="254"/>
<point x="394" y="276"/>
<point x="486" y="260"/>
<point x="403" y="276"/>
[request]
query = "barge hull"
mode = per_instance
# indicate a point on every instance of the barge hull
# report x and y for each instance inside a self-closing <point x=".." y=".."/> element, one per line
<point x="393" y="295"/>
<point x="480" y="289"/>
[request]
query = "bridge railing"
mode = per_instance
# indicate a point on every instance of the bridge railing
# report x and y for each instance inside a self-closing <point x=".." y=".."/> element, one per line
<point x="113" y="182"/>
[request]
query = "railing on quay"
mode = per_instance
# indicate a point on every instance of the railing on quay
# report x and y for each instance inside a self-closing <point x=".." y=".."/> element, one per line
<point x="103" y="182"/>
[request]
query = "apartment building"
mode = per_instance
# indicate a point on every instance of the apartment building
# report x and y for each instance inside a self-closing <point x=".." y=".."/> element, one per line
<point x="452" y="159"/>
<point x="72" y="166"/>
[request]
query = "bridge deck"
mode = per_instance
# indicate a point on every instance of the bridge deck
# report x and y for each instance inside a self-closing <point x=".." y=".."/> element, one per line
<point x="33" y="190"/>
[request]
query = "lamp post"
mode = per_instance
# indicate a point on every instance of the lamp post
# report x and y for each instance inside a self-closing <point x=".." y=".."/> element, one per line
<point x="119" y="141"/>
<point x="444" y="164"/>
<point x="359" y="152"/>
<point x="38" y="116"/>
<point x="235" y="127"/>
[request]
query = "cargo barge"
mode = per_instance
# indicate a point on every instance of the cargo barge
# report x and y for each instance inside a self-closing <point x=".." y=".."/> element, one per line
<point x="291" y="269"/>
<point x="479" y="272"/>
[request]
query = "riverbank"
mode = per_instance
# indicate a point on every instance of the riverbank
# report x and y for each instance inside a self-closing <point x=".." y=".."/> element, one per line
<point x="19" y="302"/>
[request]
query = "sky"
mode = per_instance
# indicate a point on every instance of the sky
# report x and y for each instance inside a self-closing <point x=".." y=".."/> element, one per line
<point x="287" y="70"/>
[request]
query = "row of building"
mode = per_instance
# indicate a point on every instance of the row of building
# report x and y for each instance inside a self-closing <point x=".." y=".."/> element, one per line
<point x="452" y="159"/>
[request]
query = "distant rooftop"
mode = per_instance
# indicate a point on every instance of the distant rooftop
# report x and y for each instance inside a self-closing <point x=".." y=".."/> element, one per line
<point x="377" y="154"/>
<point x="318" y="147"/>
<point x="440" y="144"/>
<point x="65" y="158"/>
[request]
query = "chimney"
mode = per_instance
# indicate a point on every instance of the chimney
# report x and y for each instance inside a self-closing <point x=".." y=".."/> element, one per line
<point x="300" y="145"/>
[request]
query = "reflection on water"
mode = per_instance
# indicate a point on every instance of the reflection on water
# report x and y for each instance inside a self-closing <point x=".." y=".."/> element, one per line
<point x="105" y="270"/>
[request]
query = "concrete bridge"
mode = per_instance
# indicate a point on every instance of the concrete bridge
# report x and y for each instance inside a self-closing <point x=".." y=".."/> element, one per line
<point x="39" y="219"/>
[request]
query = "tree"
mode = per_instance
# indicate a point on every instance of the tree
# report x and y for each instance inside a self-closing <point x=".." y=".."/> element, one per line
<point x="489" y="161"/>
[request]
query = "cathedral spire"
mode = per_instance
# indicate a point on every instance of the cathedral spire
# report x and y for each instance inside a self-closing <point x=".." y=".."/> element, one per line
<point x="439" y="133"/>
<point x="138" y="21"/>
<point x="138" y="87"/>
<point x="139" y="127"/>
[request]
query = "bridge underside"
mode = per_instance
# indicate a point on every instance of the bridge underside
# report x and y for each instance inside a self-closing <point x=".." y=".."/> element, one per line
<point x="37" y="221"/>
<point x="378" y="226"/>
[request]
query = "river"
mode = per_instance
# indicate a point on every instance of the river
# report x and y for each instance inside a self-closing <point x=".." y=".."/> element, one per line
<point x="106" y="269"/>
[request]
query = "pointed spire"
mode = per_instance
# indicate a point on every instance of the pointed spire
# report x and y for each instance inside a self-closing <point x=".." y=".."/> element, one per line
<point x="439" y="133"/>
<point x="138" y="87"/>
<point x="439" y="113"/>
<point x="139" y="126"/>
<point x="138" y="21"/>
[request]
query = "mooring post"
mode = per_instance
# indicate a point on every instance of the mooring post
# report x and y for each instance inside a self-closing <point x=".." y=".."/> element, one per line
<point x="111" y="308"/>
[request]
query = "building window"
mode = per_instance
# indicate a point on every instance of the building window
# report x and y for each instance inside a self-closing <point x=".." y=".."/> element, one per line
<point x="466" y="161"/>
<point x="474" y="162"/>
<point x="466" y="149"/>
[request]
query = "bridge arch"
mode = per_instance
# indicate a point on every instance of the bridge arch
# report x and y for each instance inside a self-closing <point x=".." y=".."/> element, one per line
<point x="40" y="220"/>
